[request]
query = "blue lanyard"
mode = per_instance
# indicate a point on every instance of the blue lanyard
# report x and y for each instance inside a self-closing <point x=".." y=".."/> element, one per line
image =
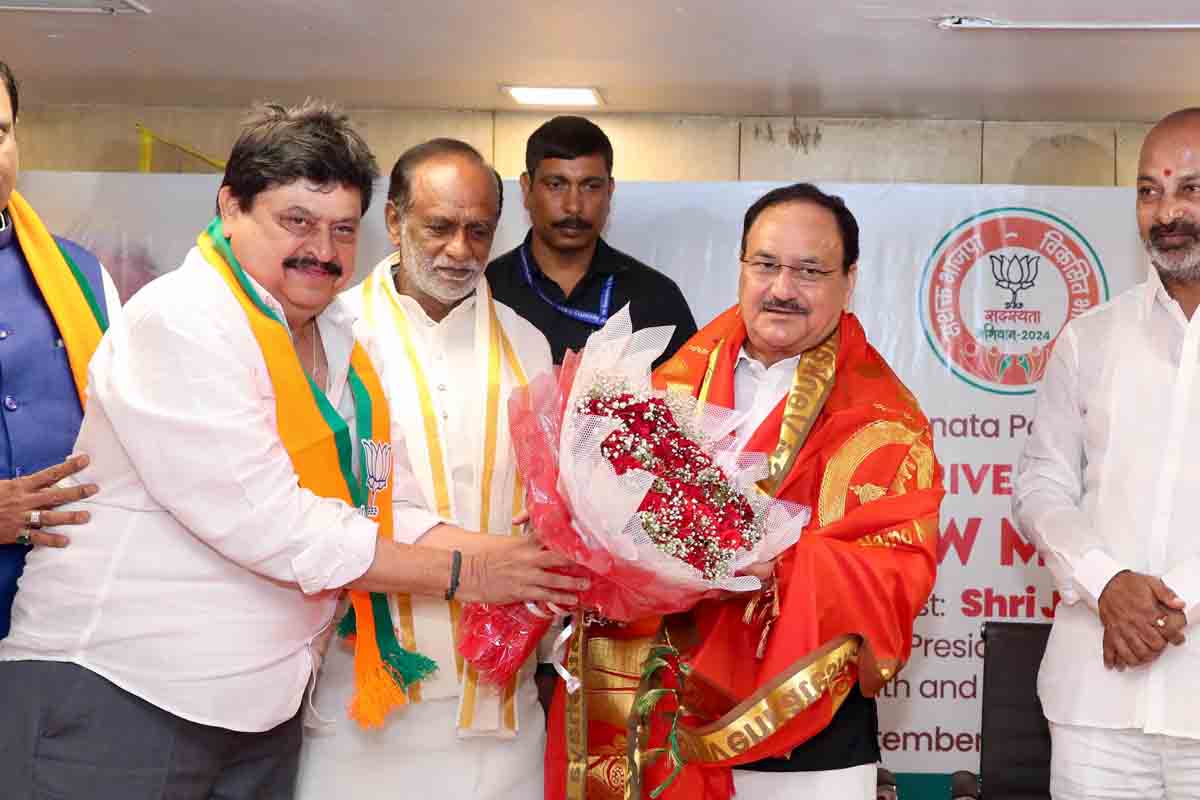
<point x="597" y="319"/>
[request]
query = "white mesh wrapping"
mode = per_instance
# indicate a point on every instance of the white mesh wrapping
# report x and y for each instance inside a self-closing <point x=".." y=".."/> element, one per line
<point x="605" y="504"/>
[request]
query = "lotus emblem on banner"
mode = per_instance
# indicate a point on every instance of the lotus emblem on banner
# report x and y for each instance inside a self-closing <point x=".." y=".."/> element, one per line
<point x="998" y="289"/>
<point x="1014" y="273"/>
<point x="377" y="458"/>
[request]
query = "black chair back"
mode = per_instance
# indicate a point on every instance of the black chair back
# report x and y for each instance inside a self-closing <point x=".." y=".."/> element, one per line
<point x="1015" y="760"/>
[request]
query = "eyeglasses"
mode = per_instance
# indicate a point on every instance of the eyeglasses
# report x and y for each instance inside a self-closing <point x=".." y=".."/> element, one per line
<point x="772" y="269"/>
<point x="304" y="227"/>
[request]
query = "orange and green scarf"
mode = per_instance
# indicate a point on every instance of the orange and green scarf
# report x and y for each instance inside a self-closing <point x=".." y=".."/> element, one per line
<point x="319" y="443"/>
<point x="77" y="314"/>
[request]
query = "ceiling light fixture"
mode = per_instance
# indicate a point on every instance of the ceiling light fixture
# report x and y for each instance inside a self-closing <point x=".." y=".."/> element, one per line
<point x="553" y="96"/>
<point x="110" y="7"/>
<point x="956" y="22"/>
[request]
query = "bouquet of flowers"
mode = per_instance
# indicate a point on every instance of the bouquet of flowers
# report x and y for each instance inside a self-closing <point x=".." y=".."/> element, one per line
<point x="641" y="488"/>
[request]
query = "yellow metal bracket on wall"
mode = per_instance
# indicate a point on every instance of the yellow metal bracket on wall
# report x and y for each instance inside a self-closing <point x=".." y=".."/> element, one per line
<point x="146" y="140"/>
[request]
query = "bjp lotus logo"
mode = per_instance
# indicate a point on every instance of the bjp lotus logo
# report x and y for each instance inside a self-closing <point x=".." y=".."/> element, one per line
<point x="998" y="289"/>
<point x="377" y="461"/>
<point x="1014" y="273"/>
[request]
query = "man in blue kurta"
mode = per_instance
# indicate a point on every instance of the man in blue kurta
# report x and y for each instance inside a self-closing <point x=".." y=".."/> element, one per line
<point x="55" y="300"/>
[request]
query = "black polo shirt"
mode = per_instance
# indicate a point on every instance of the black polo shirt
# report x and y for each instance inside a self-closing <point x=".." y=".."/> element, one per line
<point x="653" y="298"/>
<point x="850" y="740"/>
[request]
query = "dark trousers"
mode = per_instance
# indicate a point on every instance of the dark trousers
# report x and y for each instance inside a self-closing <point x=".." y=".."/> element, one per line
<point x="68" y="734"/>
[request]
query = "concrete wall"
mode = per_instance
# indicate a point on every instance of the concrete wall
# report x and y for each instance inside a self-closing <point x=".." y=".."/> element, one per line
<point x="648" y="146"/>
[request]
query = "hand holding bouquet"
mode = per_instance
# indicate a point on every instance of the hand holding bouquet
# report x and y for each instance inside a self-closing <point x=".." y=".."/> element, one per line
<point x="640" y="488"/>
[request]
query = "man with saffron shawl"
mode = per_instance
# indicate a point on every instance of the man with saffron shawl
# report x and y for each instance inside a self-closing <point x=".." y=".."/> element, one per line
<point x="242" y="436"/>
<point x="780" y="686"/>
<point x="55" y="301"/>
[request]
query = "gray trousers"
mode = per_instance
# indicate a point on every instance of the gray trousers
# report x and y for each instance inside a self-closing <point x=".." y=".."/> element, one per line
<point x="68" y="734"/>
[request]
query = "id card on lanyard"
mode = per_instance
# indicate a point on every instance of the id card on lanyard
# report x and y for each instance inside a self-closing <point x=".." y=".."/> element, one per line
<point x="596" y="319"/>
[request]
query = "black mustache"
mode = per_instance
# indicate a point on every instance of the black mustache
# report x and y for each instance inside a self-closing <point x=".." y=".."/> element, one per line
<point x="577" y="223"/>
<point x="1177" y="228"/>
<point x="783" y="306"/>
<point x="308" y="262"/>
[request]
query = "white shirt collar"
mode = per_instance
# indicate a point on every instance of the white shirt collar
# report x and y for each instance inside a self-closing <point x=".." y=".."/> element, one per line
<point x="417" y="313"/>
<point x="1155" y="292"/>
<point x="336" y="324"/>
<point x="787" y="364"/>
<point x="336" y="313"/>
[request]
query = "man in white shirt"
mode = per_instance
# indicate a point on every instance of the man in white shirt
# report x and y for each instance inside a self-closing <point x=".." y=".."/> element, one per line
<point x="1108" y="485"/>
<point x="231" y="414"/>
<point x="453" y="356"/>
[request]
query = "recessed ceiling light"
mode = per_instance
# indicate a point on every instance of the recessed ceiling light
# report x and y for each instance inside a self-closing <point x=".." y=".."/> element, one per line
<point x="956" y="22"/>
<point x="553" y="96"/>
<point x="77" y="6"/>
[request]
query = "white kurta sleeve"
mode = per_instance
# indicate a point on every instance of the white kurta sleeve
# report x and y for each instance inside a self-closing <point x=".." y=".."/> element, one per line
<point x="185" y="396"/>
<point x="112" y="299"/>
<point x="1049" y="483"/>
<point x="1184" y="580"/>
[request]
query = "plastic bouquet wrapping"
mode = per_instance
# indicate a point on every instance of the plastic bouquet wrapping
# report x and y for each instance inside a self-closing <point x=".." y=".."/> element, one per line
<point x="641" y="488"/>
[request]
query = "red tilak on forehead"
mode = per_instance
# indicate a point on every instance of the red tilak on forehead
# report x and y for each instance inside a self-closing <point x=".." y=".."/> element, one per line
<point x="1166" y="173"/>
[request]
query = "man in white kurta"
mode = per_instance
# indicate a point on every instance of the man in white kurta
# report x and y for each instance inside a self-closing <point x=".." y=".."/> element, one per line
<point x="1109" y="484"/>
<point x="452" y="358"/>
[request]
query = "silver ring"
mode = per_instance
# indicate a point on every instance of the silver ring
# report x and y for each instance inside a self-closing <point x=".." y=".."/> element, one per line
<point x="35" y="519"/>
<point x="1161" y="622"/>
<point x="25" y="537"/>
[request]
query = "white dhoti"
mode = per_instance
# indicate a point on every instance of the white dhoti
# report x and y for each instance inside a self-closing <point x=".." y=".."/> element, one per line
<point x="1102" y="764"/>
<point x="417" y="753"/>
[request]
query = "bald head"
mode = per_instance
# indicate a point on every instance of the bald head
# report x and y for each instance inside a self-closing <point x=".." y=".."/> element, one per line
<point x="1183" y="116"/>
<point x="1168" y="196"/>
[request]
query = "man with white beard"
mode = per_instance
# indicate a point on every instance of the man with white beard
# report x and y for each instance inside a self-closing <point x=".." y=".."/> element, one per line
<point x="451" y="356"/>
<point x="1109" y="485"/>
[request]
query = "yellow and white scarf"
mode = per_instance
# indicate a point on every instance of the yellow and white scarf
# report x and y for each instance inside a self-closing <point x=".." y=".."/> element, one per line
<point x="427" y="624"/>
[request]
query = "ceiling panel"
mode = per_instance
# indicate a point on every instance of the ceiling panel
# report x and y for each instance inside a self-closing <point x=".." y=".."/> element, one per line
<point x="775" y="57"/>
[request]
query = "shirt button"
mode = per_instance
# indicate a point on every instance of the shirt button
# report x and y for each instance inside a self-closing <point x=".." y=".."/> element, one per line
<point x="441" y="387"/>
<point x="3" y="333"/>
<point x="10" y="402"/>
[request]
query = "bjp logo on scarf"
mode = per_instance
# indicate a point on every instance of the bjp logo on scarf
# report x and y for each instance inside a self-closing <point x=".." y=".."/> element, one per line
<point x="377" y="462"/>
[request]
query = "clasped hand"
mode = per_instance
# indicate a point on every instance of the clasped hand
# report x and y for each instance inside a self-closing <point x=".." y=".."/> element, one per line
<point x="1141" y="616"/>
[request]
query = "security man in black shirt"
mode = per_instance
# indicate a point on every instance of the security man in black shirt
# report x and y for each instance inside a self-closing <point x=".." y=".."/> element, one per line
<point x="564" y="278"/>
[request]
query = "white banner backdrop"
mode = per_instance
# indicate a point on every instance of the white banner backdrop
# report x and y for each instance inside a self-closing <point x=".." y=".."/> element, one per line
<point x="962" y="288"/>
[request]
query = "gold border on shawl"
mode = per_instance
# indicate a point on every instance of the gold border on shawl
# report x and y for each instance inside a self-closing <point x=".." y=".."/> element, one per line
<point x="706" y="384"/>
<point x="488" y="467"/>
<point x="487" y="473"/>
<point x="575" y="713"/>
<point x="466" y="715"/>
<point x="811" y="384"/>
<point x="920" y="457"/>
<point x="835" y="484"/>
<point x="437" y="461"/>
<point x="827" y="670"/>
<point x="509" y="705"/>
